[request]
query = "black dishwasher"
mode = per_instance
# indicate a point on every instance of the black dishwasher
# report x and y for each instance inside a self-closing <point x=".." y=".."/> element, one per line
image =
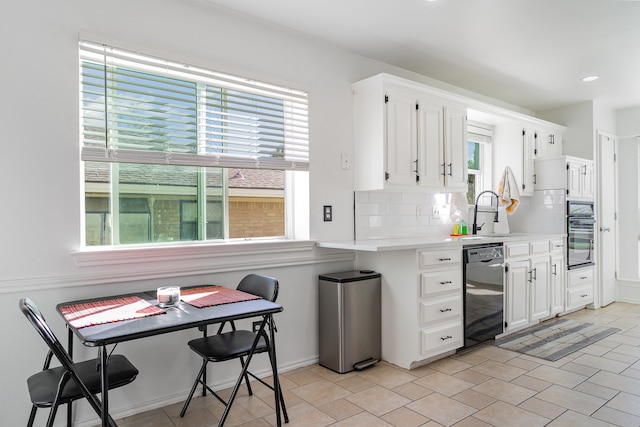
<point x="483" y="280"/>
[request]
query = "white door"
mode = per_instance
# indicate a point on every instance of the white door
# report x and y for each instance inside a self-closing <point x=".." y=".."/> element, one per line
<point x="517" y="289"/>
<point x="556" y="283"/>
<point x="431" y="164"/>
<point x="401" y="138"/>
<point x="606" y="219"/>
<point x="528" y="146"/>
<point x="540" y="303"/>
<point x="456" y="147"/>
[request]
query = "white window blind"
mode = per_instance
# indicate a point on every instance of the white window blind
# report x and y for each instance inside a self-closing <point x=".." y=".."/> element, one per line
<point x="141" y="109"/>
<point x="480" y="133"/>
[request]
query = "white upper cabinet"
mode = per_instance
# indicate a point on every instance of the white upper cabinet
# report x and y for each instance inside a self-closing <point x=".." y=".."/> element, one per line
<point x="528" y="153"/>
<point x="573" y="174"/>
<point x="406" y="137"/>
<point x="402" y="137"/>
<point x="579" y="179"/>
<point x="548" y="142"/>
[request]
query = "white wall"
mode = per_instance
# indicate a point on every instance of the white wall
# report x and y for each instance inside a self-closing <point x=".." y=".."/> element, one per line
<point x="40" y="175"/>
<point x="578" y="139"/>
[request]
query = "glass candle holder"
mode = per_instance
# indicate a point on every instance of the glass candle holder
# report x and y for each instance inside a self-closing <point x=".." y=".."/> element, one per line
<point x="168" y="296"/>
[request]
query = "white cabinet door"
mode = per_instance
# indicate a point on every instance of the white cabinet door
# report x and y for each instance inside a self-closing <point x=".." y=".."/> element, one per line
<point x="580" y="183"/>
<point x="528" y="147"/>
<point x="556" y="283"/>
<point x="431" y="162"/>
<point x="587" y="181"/>
<point x="539" y="298"/>
<point x="517" y="289"/>
<point x="401" y="137"/>
<point x="548" y="143"/>
<point x="442" y="145"/>
<point x="455" y="143"/>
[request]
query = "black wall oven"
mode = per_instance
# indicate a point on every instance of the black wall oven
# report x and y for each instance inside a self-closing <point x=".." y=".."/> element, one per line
<point x="580" y="234"/>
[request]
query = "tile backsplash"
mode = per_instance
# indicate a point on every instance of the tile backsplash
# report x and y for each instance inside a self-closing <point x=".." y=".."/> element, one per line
<point x="384" y="215"/>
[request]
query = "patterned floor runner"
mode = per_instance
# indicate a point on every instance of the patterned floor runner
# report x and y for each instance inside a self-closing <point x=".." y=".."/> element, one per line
<point x="554" y="339"/>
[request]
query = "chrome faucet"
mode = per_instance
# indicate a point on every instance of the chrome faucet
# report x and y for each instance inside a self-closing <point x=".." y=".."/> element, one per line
<point x="475" y="211"/>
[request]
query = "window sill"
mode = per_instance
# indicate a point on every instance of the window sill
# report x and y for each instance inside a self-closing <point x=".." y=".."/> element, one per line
<point x="136" y="263"/>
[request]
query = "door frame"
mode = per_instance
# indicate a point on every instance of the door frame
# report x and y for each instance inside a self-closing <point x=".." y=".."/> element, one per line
<point x="599" y="220"/>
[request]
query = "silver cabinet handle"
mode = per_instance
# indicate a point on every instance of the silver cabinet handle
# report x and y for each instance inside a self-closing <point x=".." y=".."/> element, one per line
<point x="450" y="169"/>
<point x="444" y="169"/>
<point x="447" y="282"/>
<point x="605" y="229"/>
<point x="535" y="274"/>
<point x="448" y="337"/>
<point x="444" y="259"/>
<point x="444" y="310"/>
<point x="584" y="277"/>
<point x="555" y="269"/>
<point x="585" y="295"/>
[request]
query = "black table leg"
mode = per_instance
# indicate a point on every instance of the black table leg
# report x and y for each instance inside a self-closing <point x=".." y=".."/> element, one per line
<point x="274" y="368"/>
<point x="70" y="351"/>
<point x="105" y="386"/>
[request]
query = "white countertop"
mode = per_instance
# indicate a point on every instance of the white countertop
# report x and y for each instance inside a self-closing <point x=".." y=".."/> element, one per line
<point x="378" y="245"/>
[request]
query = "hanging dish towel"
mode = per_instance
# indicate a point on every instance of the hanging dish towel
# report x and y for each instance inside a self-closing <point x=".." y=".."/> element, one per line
<point x="508" y="191"/>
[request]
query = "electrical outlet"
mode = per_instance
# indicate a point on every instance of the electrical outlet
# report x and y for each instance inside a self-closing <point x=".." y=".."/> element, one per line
<point x="435" y="211"/>
<point x="256" y="326"/>
<point x="345" y="161"/>
<point x="327" y="212"/>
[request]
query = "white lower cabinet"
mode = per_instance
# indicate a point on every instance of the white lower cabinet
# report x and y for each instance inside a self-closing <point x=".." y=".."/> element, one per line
<point x="579" y="288"/>
<point x="422" y="304"/>
<point x="527" y="284"/>
<point x="556" y="276"/>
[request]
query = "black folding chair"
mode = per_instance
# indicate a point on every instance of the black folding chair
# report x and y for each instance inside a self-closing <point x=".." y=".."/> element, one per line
<point x="236" y="344"/>
<point x="70" y="381"/>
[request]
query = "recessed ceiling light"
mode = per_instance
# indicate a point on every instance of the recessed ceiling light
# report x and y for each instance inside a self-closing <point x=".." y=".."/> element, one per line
<point x="590" y="78"/>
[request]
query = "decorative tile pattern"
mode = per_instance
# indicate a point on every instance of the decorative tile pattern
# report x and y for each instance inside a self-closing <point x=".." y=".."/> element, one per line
<point x="479" y="387"/>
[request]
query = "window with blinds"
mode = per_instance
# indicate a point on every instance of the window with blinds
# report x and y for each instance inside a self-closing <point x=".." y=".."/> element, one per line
<point x="141" y="109"/>
<point x="173" y="152"/>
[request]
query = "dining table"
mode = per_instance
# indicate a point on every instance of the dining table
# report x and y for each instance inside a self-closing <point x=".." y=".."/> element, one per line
<point x="106" y="320"/>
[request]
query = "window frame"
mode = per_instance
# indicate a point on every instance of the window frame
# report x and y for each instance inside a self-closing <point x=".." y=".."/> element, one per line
<point x="296" y="226"/>
<point x="483" y="176"/>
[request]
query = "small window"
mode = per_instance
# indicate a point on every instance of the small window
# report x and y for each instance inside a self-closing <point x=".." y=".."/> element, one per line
<point x="479" y="160"/>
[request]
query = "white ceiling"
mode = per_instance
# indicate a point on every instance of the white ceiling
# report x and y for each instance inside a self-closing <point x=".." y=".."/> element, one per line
<point x="530" y="53"/>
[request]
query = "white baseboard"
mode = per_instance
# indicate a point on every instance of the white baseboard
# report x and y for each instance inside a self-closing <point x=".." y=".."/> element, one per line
<point x="181" y="395"/>
<point x="628" y="291"/>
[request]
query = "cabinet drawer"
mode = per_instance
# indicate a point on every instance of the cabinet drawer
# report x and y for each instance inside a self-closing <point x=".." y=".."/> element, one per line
<point x="579" y="297"/>
<point x="516" y="249"/>
<point x="539" y="247"/>
<point x="440" y="281"/>
<point x="556" y="245"/>
<point x="440" y="309"/>
<point x="580" y="277"/>
<point x="444" y="338"/>
<point x="443" y="257"/>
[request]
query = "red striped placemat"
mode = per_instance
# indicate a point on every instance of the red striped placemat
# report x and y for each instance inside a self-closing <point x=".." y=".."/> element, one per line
<point x="108" y="311"/>
<point x="206" y="296"/>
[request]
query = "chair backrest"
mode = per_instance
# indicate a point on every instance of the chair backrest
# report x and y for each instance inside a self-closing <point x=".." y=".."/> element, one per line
<point x="263" y="286"/>
<point x="35" y="317"/>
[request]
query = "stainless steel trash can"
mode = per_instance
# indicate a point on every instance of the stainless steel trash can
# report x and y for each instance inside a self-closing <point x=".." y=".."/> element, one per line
<point x="349" y="320"/>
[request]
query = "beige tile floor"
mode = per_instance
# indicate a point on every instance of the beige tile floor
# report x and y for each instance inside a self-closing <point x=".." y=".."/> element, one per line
<point x="486" y="386"/>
